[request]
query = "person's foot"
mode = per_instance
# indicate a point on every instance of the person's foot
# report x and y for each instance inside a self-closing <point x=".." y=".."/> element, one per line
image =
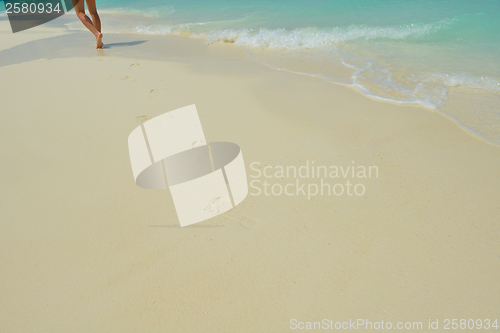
<point x="99" y="41"/>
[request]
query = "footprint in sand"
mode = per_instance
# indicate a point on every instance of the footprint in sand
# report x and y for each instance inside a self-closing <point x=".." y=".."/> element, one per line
<point x="219" y="205"/>
<point x="125" y="78"/>
<point x="142" y="118"/>
<point x="155" y="92"/>
<point x="135" y="64"/>
<point x="246" y="221"/>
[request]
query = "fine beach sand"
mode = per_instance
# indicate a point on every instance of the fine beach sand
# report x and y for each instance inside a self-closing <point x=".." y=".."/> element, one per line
<point x="83" y="249"/>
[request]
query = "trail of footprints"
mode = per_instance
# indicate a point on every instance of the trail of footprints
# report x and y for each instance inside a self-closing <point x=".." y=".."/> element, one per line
<point x="246" y="221"/>
<point x="153" y="92"/>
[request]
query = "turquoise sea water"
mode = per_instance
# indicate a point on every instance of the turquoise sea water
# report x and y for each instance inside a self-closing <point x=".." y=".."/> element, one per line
<point x="400" y="50"/>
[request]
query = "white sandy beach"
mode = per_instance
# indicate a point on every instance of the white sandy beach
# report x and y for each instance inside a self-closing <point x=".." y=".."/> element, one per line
<point x="83" y="249"/>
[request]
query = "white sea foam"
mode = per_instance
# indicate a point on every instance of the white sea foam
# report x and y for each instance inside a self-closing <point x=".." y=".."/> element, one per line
<point x="469" y="81"/>
<point x="314" y="38"/>
<point x="303" y="38"/>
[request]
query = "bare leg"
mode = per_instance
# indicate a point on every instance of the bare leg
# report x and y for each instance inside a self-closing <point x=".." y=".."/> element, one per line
<point x="95" y="19"/>
<point x="94" y="27"/>
<point x="93" y="13"/>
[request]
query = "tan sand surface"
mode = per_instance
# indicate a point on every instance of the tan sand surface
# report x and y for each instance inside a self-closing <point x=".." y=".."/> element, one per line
<point x="83" y="249"/>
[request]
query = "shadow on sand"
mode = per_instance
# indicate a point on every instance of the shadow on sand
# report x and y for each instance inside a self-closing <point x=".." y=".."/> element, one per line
<point x="112" y="45"/>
